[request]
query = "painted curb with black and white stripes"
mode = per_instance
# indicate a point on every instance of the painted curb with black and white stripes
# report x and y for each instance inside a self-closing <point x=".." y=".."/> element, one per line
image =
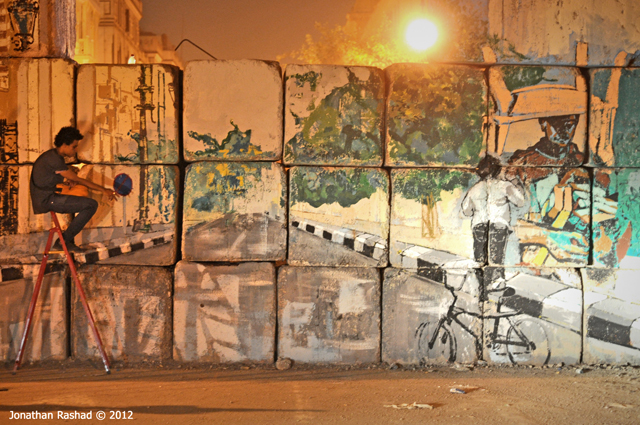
<point x="363" y="243"/>
<point x="102" y="252"/>
<point x="612" y="320"/>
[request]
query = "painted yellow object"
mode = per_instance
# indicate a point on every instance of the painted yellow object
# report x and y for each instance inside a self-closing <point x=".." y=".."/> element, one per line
<point x="561" y="220"/>
<point x="541" y="256"/>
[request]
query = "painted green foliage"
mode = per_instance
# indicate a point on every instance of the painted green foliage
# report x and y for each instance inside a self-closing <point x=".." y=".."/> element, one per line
<point x="163" y="150"/>
<point x="237" y="144"/>
<point x="421" y="185"/>
<point x="343" y="127"/>
<point x="318" y="186"/>
<point x="626" y="125"/>
<point x="615" y="232"/>
<point x="435" y="115"/>
<point x="518" y="77"/>
<point x="212" y="187"/>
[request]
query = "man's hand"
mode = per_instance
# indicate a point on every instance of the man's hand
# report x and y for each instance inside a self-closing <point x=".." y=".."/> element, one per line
<point x="111" y="195"/>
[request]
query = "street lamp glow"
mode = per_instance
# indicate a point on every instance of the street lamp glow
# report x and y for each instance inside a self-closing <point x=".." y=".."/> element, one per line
<point x="421" y="34"/>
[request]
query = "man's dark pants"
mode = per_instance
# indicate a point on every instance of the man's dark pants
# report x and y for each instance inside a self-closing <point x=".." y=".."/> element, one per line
<point x="83" y="207"/>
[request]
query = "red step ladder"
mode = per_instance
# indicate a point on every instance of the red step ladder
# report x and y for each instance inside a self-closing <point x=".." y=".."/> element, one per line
<point x="36" y="291"/>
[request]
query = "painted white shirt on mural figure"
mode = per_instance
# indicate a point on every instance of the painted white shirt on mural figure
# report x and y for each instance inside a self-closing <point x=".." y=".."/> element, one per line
<point x="488" y="202"/>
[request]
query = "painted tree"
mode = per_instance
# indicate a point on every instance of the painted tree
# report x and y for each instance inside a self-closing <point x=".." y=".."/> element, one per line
<point x="214" y="186"/>
<point x="426" y="187"/>
<point x="342" y="126"/>
<point x="319" y="186"/>
<point x="236" y="143"/>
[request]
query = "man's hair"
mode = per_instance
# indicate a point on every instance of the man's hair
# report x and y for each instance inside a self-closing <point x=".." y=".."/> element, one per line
<point x="489" y="166"/>
<point x="66" y="136"/>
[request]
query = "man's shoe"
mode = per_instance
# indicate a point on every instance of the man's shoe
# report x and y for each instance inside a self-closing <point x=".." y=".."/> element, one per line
<point x="71" y="247"/>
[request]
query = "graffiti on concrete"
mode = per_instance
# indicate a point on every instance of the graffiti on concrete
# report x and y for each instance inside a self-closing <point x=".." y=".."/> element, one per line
<point x="539" y="116"/>
<point x="132" y="310"/>
<point x="338" y="216"/>
<point x="233" y="110"/>
<point x="435" y="115"/>
<point x="614" y="129"/>
<point x="48" y="339"/>
<point x="333" y="115"/>
<point x="329" y="315"/>
<point x="612" y="315"/>
<point x="129" y="114"/>
<point x="224" y="313"/>
<point x="234" y="212"/>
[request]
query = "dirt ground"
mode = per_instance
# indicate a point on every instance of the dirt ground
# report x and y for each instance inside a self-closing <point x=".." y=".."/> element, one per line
<point x="334" y="395"/>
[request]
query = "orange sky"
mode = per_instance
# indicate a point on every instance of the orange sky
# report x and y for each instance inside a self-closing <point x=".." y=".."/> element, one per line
<point x="239" y="29"/>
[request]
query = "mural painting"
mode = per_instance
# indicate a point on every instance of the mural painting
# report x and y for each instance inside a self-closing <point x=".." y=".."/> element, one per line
<point x="131" y="307"/>
<point x="533" y="317"/>
<point x="435" y="115"/>
<point x="139" y="227"/>
<point x="553" y="227"/>
<point x="36" y="100"/>
<point x="48" y="338"/>
<point x="232" y="110"/>
<point x="611" y="316"/>
<point x="333" y="115"/>
<point x="573" y="32"/>
<point x="614" y="131"/>
<point x="224" y="314"/>
<point x="128" y="114"/>
<point x="329" y="315"/>
<point x="428" y="227"/>
<point x="338" y="217"/>
<point x="616" y="218"/>
<point x="539" y="116"/>
<point x="431" y="316"/>
<point x="234" y="212"/>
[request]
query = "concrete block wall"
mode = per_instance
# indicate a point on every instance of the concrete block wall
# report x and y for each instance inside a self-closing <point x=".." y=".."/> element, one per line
<point x="465" y="213"/>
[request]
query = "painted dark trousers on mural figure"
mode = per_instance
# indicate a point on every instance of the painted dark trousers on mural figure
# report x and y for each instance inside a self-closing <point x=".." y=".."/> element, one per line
<point x="83" y="207"/>
<point x="490" y="242"/>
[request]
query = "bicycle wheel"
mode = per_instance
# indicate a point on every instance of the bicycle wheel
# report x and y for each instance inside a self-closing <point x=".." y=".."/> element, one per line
<point x="443" y="347"/>
<point x="527" y="343"/>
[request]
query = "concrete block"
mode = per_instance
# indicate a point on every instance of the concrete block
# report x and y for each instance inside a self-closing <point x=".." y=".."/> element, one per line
<point x="435" y="115"/>
<point x="539" y="116"/>
<point x="553" y="228"/>
<point x="131" y="307"/>
<point x="338" y="217"/>
<point x="333" y="115"/>
<point x="224" y="314"/>
<point x="532" y="315"/>
<point x="428" y="223"/>
<point x="128" y="114"/>
<point x="139" y="227"/>
<point x="232" y="110"/>
<point x="614" y="123"/>
<point x="329" y="315"/>
<point x="36" y="101"/>
<point x="616" y="218"/>
<point x="48" y="338"/>
<point x="54" y="31"/>
<point x="426" y="322"/>
<point x="234" y="212"/>
<point x="611" y="316"/>
<point x="565" y="34"/>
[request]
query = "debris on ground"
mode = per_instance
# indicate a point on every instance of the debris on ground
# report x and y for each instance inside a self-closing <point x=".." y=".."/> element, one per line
<point x="411" y="406"/>
<point x="394" y="366"/>
<point x="618" y="406"/>
<point x="462" y="367"/>
<point x="284" y="364"/>
<point x="457" y="391"/>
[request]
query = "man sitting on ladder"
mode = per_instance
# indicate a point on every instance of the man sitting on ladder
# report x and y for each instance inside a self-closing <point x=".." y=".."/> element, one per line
<point x="50" y="170"/>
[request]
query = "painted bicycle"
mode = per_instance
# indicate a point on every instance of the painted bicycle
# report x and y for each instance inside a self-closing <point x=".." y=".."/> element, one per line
<point x="525" y="340"/>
